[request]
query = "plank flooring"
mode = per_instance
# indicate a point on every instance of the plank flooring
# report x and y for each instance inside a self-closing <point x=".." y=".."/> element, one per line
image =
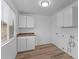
<point x="48" y="51"/>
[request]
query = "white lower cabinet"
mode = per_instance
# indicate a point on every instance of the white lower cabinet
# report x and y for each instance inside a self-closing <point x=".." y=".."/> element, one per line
<point x="21" y="44"/>
<point x="30" y="43"/>
<point x="26" y="43"/>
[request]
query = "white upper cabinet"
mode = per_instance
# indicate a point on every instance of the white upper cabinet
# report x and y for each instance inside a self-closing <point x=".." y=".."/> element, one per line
<point x="26" y="21"/>
<point x="30" y="22"/>
<point x="22" y="21"/>
<point x="68" y="17"/>
<point x="75" y="16"/>
<point x="60" y="19"/>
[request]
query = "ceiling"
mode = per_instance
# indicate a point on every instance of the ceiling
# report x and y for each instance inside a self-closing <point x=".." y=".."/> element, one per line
<point x="32" y="6"/>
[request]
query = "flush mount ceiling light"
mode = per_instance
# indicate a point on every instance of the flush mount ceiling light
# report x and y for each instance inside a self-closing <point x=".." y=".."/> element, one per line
<point x="44" y="3"/>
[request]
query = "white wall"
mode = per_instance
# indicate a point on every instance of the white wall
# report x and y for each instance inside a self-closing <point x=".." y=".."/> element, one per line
<point x="58" y="32"/>
<point x="42" y="29"/>
<point x="56" y="38"/>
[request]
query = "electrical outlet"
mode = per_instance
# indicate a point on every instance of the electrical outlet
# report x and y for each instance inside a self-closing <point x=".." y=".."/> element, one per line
<point x="56" y="33"/>
<point x="62" y="48"/>
<point x="71" y="36"/>
<point x="62" y="35"/>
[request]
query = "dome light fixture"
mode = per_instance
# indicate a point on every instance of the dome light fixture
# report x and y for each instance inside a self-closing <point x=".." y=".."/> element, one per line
<point x="44" y="3"/>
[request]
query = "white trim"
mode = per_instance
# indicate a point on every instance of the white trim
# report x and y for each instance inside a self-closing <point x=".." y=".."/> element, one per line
<point x="6" y="42"/>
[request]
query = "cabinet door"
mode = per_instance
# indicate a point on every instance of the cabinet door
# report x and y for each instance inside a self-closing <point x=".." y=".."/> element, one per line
<point x="75" y="16"/>
<point x="30" y="43"/>
<point x="21" y="44"/>
<point x="5" y="11"/>
<point x="22" y="21"/>
<point x="30" y="22"/>
<point x="67" y="15"/>
<point x="60" y="19"/>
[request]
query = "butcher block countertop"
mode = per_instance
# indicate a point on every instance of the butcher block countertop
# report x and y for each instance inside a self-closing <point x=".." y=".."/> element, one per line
<point x="25" y="34"/>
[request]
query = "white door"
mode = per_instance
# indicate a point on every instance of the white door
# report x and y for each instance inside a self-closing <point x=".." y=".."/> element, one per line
<point x="21" y="44"/>
<point x="22" y="21"/>
<point x="30" y="43"/>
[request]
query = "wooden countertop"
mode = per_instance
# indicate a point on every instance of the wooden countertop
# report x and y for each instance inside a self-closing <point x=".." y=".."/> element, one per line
<point x="26" y="34"/>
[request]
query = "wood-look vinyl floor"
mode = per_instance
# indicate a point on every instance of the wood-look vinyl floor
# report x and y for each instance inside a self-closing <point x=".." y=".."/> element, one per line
<point x="48" y="51"/>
